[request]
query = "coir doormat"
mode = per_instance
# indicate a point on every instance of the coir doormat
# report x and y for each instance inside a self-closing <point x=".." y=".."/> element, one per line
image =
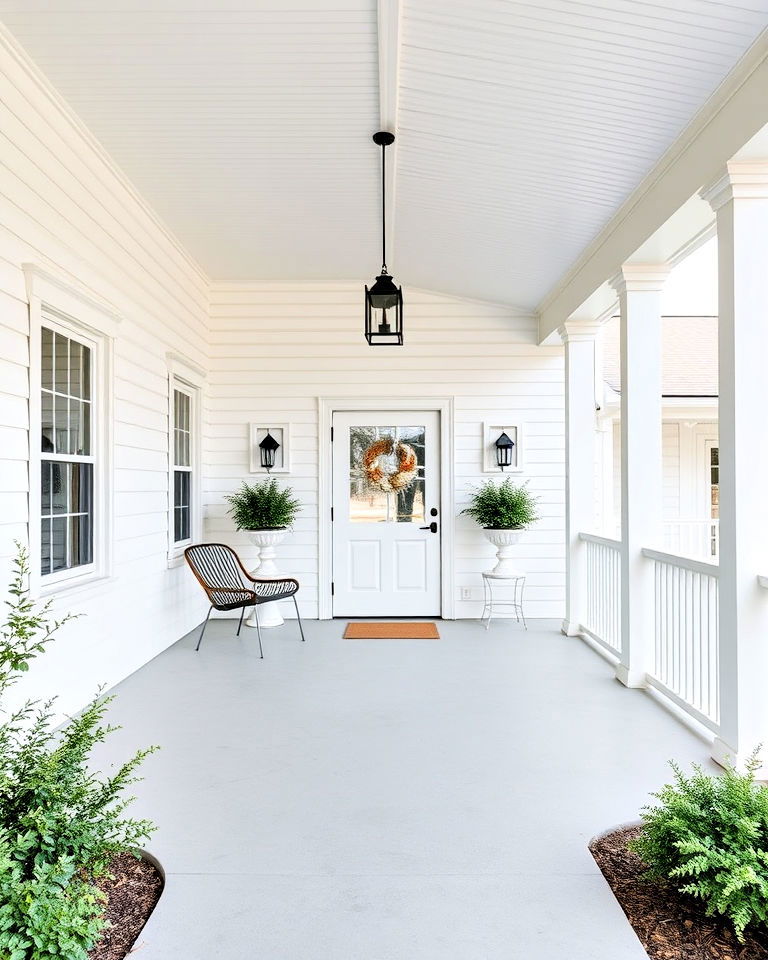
<point x="391" y="631"/>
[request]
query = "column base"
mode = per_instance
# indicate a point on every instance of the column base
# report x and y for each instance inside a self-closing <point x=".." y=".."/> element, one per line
<point x="727" y="756"/>
<point x="634" y="679"/>
<point x="570" y="629"/>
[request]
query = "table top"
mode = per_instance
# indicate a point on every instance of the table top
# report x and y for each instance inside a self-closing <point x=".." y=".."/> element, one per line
<point x="514" y="575"/>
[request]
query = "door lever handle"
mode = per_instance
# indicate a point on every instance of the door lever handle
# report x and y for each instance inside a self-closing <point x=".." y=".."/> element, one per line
<point x="432" y="527"/>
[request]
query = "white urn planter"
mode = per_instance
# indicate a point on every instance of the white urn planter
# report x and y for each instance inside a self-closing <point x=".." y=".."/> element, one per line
<point x="266" y="569"/>
<point x="504" y="540"/>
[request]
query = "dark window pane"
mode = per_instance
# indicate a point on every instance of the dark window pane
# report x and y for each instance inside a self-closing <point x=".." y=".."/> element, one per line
<point x="59" y="487"/>
<point x="59" y="543"/>
<point x="45" y="488"/>
<point x="81" y="488"/>
<point x="181" y="505"/>
<point x="46" y="359"/>
<point x="86" y="430"/>
<point x="46" y="403"/>
<point x="61" y="424"/>
<point x="61" y="364"/>
<point x="45" y="547"/>
<point x="81" y="540"/>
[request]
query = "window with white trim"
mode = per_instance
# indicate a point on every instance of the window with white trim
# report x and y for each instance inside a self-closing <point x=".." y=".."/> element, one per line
<point x="184" y="481"/>
<point x="67" y="453"/>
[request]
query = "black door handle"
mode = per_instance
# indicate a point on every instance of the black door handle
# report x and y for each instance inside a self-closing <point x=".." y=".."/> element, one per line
<point x="432" y="527"/>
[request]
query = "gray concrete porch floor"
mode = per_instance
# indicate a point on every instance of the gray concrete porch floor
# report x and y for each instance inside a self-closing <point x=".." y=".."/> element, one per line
<point x="389" y="799"/>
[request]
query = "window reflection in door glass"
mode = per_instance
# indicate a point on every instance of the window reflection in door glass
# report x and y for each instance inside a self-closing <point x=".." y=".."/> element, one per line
<point x="376" y="454"/>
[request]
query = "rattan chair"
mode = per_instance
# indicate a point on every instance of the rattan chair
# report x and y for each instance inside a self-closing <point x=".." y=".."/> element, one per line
<point x="229" y="586"/>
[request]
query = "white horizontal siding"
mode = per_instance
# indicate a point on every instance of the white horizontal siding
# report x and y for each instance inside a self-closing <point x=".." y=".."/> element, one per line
<point x="276" y="348"/>
<point x="69" y="210"/>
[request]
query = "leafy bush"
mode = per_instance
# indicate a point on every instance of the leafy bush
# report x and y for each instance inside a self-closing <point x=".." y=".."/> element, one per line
<point x="709" y="836"/>
<point x="502" y="506"/>
<point x="263" y="506"/>
<point x="60" y="823"/>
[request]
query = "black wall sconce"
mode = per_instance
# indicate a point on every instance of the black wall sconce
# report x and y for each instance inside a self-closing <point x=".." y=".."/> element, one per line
<point x="504" y="451"/>
<point x="267" y="450"/>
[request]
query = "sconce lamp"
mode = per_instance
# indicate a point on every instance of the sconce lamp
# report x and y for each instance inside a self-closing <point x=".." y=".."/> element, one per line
<point x="267" y="449"/>
<point x="504" y="448"/>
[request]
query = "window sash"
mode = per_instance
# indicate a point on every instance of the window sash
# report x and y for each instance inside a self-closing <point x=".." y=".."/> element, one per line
<point x="66" y="513"/>
<point x="183" y="455"/>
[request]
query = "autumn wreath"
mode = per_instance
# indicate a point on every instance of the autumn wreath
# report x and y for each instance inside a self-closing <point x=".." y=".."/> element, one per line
<point x="401" y="478"/>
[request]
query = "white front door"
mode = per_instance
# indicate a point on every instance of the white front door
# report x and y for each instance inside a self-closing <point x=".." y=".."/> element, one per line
<point x="386" y="542"/>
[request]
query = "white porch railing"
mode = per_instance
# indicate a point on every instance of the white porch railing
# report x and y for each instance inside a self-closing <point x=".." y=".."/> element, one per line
<point x="603" y="608"/>
<point x="686" y="662"/>
<point x="692" y="538"/>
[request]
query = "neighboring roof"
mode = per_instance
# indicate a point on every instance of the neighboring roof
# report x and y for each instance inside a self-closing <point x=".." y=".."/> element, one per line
<point x="689" y="356"/>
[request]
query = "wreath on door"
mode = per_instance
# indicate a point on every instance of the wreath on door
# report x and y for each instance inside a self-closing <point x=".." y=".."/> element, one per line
<point x="396" y="480"/>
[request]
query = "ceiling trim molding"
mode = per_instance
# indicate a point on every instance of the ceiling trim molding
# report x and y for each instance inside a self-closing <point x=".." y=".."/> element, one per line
<point x="734" y="113"/>
<point x="389" y="23"/>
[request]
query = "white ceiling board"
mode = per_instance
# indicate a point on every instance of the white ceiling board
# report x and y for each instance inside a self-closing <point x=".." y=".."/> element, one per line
<point x="246" y="125"/>
<point x="522" y="124"/>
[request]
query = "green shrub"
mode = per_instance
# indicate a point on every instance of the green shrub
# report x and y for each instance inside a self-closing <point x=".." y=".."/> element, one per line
<point x="502" y="506"/>
<point x="60" y="822"/>
<point x="262" y="506"/>
<point x="708" y="835"/>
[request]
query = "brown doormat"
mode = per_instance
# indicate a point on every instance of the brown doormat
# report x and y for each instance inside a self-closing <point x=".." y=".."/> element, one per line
<point x="391" y="631"/>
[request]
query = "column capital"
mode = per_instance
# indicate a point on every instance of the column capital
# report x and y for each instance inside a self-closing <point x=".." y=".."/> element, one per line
<point x="640" y="278"/>
<point x="740" y="180"/>
<point x="575" y="331"/>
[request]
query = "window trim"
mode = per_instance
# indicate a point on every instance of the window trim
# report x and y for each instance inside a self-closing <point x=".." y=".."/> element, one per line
<point x="55" y="303"/>
<point x="188" y="377"/>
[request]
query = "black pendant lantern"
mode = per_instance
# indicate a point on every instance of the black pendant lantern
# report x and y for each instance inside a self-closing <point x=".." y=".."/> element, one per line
<point x="267" y="449"/>
<point x="504" y="448"/>
<point x="384" y="300"/>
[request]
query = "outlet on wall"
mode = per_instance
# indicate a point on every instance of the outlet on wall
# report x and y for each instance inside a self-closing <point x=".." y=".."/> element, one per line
<point x="466" y="593"/>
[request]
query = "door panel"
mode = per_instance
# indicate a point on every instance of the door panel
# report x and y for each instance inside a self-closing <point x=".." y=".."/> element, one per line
<point x="384" y="562"/>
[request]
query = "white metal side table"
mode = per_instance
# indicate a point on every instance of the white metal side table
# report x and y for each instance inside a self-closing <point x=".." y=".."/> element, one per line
<point x="513" y="578"/>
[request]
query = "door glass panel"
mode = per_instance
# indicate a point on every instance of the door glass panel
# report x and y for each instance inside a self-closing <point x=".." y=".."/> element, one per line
<point x="386" y="474"/>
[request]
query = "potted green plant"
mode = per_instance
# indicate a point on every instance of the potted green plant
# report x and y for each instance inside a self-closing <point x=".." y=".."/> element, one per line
<point x="503" y="510"/>
<point x="264" y="510"/>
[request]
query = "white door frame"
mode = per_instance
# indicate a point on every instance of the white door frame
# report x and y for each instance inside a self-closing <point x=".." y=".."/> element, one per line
<point x="326" y="407"/>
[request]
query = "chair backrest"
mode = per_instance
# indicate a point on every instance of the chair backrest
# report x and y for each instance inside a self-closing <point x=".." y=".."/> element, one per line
<point x="216" y="566"/>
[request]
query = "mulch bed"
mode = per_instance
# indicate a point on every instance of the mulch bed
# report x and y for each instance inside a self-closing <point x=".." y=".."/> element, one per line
<point x="670" y="925"/>
<point x="132" y="891"/>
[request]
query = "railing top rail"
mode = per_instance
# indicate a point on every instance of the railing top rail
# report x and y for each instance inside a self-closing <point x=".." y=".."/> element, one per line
<point x="685" y="563"/>
<point x="595" y="538"/>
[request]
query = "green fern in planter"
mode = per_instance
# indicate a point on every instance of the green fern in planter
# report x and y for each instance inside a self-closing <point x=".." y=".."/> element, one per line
<point x="263" y="506"/>
<point x="60" y="820"/>
<point x="504" y="506"/>
<point x="708" y="835"/>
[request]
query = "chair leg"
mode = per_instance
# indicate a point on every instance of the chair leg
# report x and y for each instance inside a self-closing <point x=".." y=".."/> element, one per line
<point x="239" y="626"/>
<point x="298" y="617"/>
<point x="205" y="624"/>
<point x="258" y="631"/>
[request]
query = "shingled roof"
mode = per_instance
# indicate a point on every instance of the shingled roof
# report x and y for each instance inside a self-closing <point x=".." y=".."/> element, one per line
<point x="689" y="356"/>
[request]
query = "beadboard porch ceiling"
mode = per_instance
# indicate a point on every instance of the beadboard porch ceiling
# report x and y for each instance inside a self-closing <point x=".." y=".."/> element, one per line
<point x="522" y="124"/>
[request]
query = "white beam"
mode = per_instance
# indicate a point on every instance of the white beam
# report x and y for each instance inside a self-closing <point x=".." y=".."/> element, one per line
<point x="732" y="116"/>
<point x="580" y="438"/>
<point x="639" y="290"/>
<point x="740" y="199"/>
<point x="389" y="23"/>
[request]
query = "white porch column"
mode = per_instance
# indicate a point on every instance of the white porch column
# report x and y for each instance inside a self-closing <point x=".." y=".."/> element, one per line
<point x="580" y="440"/>
<point x="639" y="287"/>
<point x="740" y="199"/>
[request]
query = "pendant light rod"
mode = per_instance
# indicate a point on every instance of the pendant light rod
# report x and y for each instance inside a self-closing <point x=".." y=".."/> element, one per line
<point x="383" y="139"/>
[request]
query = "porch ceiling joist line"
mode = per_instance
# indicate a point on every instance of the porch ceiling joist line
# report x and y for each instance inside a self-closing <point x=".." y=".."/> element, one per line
<point x="389" y="21"/>
<point x="731" y="117"/>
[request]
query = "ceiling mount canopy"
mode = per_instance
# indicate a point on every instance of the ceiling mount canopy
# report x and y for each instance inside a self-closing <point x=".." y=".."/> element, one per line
<point x="382" y="328"/>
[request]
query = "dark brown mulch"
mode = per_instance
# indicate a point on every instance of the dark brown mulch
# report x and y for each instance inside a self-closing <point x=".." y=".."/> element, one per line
<point x="132" y="890"/>
<point x="670" y="925"/>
